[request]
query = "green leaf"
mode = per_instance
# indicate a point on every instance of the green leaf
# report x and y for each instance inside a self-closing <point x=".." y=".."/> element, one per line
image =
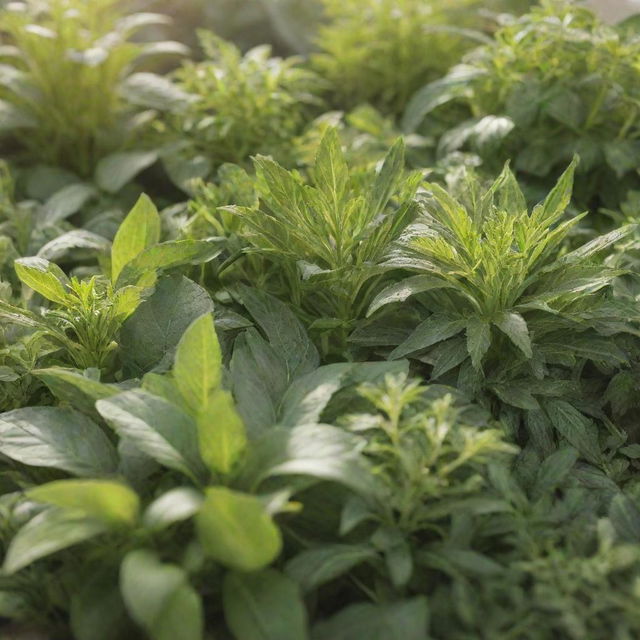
<point x="559" y="197"/>
<point x="553" y="470"/>
<point x="198" y="364"/>
<point x="625" y="517"/>
<point x="97" y="610"/>
<point x="403" y="620"/>
<point x="221" y="433"/>
<point x="264" y="606"/>
<point x="157" y="428"/>
<point x="313" y="568"/>
<point x="160" y="599"/>
<point x="436" y="328"/>
<point x="171" y="507"/>
<point x="44" y="277"/>
<point x="235" y="530"/>
<point x="57" y="438"/>
<point x="167" y="255"/>
<point x="45" y="534"/>
<point x="330" y="171"/>
<point x="154" y="91"/>
<point x="478" y="340"/>
<point x="114" y="171"/>
<point x="317" y="451"/>
<point x="67" y="201"/>
<point x="70" y="386"/>
<point x="111" y="502"/>
<point x="576" y="428"/>
<point x="139" y="231"/>
<point x="514" y="326"/>
<point x="283" y="330"/>
<point x="404" y="289"/>
<point x="149" y="337"/>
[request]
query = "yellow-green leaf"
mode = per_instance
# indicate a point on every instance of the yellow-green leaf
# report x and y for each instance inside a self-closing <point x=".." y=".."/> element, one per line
<point x="101" y="499"/>
<point x="235" y="530"/>
<point x="198" y="363"/>
<point x="44" y="277"/>
<point x="221" y="433"/>
<point x="139" y="230"/>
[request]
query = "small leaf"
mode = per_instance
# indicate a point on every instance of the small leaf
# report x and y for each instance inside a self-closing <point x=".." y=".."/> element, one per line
<point x="198" y="364"/>
<point x="160" y="599"/>
<point x="111" y="502"/>
<point x="478" y="341"/>
<point x="139" y="230"/>
<point x="553" y="470"/>
<point x="264" y="606"/>
<point x="235" y="530"/>
<point x="44" y="277"/>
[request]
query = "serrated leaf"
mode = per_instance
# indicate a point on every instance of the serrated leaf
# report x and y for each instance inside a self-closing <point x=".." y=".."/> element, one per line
<point x="478" y="341"/>
<point x="514" y="326"/>
<point x="436" y="328"/>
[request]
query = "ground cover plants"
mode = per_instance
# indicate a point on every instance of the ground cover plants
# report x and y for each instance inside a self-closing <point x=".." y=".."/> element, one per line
<point x="335" y="346"/>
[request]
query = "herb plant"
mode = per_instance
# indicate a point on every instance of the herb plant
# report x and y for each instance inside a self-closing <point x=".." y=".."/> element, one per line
<point x="554" y="83"/>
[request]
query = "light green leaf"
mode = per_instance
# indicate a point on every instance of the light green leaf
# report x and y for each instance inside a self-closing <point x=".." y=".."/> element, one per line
<point x="57" y="438"/>
<point x="139" y="231"/>
<point x="198" y="365"/>
<point x="264" y="606"/>
<point x="171" y="507"/>
<point x="160" y="599"/>
<point x="221" y="433"/>
<point x="44" y="277"/>
<point x="114" y="171"/>
<point x="235" y="530"/>
<point x="100" y="499"/>
<point x="45" y="534"/>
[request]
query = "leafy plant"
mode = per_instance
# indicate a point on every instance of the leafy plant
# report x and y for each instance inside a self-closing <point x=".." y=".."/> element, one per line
<point x="554" y="83"/>
<point x="88" y="314"/>
<point x="508" y="309"/>
<point x="382" y="52"/>
<point x="326" y="238"/>
<point x="241" y="105"/>
<point x="71" y="92"/>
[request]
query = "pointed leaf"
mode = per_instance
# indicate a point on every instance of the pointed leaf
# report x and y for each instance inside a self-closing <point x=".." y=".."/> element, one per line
<point x="44" y="277"/>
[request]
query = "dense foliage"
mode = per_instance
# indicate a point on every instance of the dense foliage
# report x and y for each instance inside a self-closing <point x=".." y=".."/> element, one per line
<point x="271" y="371"/>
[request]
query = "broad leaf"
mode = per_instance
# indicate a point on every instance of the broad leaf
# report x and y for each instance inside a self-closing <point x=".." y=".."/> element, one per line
<point x="44" y="277"/>
<point x="235" y="530"/>
<point x="160" y="599"/>
<point x="264" y="606"/>
<point x="57" y="438"/>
